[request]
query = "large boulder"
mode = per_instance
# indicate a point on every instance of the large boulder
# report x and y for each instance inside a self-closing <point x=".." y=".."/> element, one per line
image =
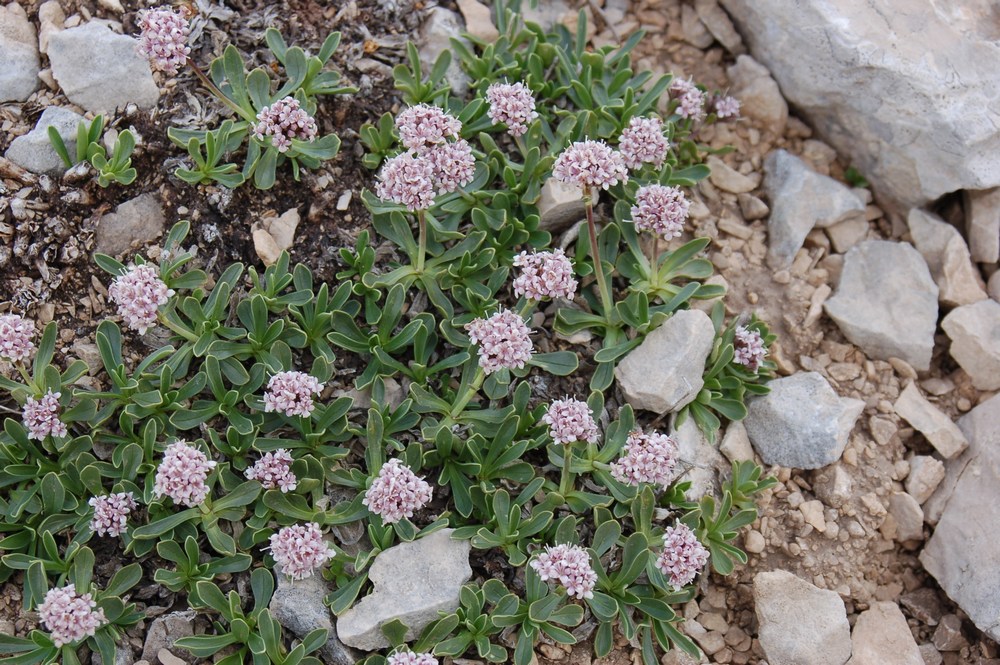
<point x="887" y="303"/>
<point x="964" y="550"/>
<point x="917" y="122"/>
<point x="19" y="46"/>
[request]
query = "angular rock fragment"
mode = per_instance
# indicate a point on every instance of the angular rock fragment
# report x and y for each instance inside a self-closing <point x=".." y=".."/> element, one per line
<point x="926" y="418"/>
<point x="947" y="257"/>
<point x="974" y="331"/>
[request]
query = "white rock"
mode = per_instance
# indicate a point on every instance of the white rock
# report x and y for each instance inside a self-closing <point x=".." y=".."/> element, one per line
<point x="548" y="14"/>
<point x="919" y="122"/>
<point x="947" y="257"/>
<point x="812" y="513"/>
<point x="926" y="473"/>
<point x="761" y="98"/>
<point x="440" y="26"/>
<point x="34" y="151"/>
<point x="720" y="25"/>
<point x="752" y="207"/>
<point x="50" y="21"/>
<point x="800" y="623"/>
<point x="886" y="302"/>
<point x="736" y="444"/>
<point x="982" y="224"/>
<point x="964" y="550"/>
<point x="728" y="179"/>
<point x="695" y="32"/>
<point x="134" y="223"/>
<point x="664" y="373"/>
<point x="478" y="21"/>
<point x="560" y="205"/>
<point x="700" y="461"/>
<point x="936" y="427"/>
<point x="848" y="233"/>
<point x="274" y="235"/>
<point x="834" y="485"/>
<point x="19" y="46"/>
<point x="882" y="637"/>
<point x="100" y="70"/>
<point x="802" y="423"/>
<point x="908" y="515"/>
<point x="413" y="582"/>
<point x="801" y="200"/>
<point x="974" y="331"/>
<point x="993" y="286"/>
<point x="298" y="606"/>
<point x="164" y="631"/>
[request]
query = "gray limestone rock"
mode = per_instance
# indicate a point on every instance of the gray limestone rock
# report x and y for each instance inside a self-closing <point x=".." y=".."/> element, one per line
<point x="298" y="606"/>
<point x="947" y="257"/>
<point x="19" y="46"/>
<point x="133" y="223"/>
<point x="440" y="26"/>
<point x="982" y="224"/>
<point x="974" y="331"/>
<point x="34" y="150"/>
<point x="882" y="637"/>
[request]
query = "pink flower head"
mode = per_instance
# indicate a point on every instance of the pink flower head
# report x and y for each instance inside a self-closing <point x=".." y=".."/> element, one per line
<point x="727" y="107"/>
<point x="139" y="294"/>
<point x="410" y="658"/>
<point x="69" y="616"/>
<point x="504" y="341"/>
<point x="111" y="513"/>
<point x="283" y="121"/>
<point x="274" y="470"/>
<point x="16" y="337"/>
<point x="569" y="421"/>
<point x="164" y="38"/>
<point x="396" y="492"/>
<point x="423" y="125"/>
<point x="683" y="556"/>
<point x="643" y="142"/>
<point x="544" y="275"/>
<point x="291" y="393"/>
<point x="300" y="549"/>
<point x="454" y="165"/>
<point x="590" y="164"/>
<point x="182" y="474"/>
<point x="692" y="105"/>
<point x="681" y="87"/>
<point x="661" y="210"/>
<point x="647" y="458"/>
<point x="41" y="416"/>
<point x="511" y="104"/>
<point x="570" y="566"/>
<point x="409" y="180"/>
<point x="749" y="349"/>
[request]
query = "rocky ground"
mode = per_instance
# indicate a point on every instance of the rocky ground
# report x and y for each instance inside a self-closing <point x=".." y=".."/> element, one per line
<point x="883" y="426"/>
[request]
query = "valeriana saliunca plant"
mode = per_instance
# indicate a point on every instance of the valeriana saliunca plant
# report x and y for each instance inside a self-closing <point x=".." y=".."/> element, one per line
<point x="275" y="122"/>
<point x="237" y="445"/>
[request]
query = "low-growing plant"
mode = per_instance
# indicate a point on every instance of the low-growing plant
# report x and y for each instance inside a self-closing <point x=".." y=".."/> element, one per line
<point x="115" y="166"/>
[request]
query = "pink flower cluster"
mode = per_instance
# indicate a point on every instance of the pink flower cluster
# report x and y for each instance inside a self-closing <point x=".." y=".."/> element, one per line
<point x="41" y="416"/>
<point x="453" y="165"/>
<point x="511" y="104"/>
<point x="570" y="566"/>
<point x="643" y="142"/>
<point x="727" y="107"/>
<point x="139" y="294"/>
<point x="647" y="458"/>
<point x="544" y="275"/>
<point x="396" y="492"/>
<point x="749" y="349"/>
<point x="410" y="658"/>
<point x="283" y="121"/>
<point x="504" y="341"/>
<point x="661" y="210"/>
<point x="691" y="99"/>
<point x="423" y="126"/>
<point x="16" y="337"/>
<point x="274" y="470"/>
<point x="299" y="550"/>
<point x="590" y="164"/>
<point x="683" y="555"/>
<point x="69" y="616"/>
<point x="111" y="513"/>
<point x="407" y="179"/>
<point x="182" y="474"/>
<point x="164" y="36"/>
<point x="291" y="393"/>
<point x="569" y="421"/>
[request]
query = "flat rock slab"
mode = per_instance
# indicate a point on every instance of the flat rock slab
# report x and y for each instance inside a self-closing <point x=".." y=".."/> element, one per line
<point x="298" y="606"/>
<point x="802" y="423"/>
<point x="947" y="256"/>
<point x="664" y="373"/>
<point x="982" y="225"/>
<point x="34" y="150"/>
<point x="560" y="205"/>
<point x="801" y="200"/>
<point x="887" y="302"/>
<point x="413" y="582"/>
<point x="800" y="623"/>
<point x="134" y="223"/>
<point x="964" y="552"/>
<point x="974" y="331"/>
<point x="930" y="421"/>
<point x="100" y="70"/>
<point x="881" y="637"/>
<point x="917" y="122"/>
<point x="700" y="461"/>
<point x="759" y="93"/>
<point x="19" y="46"/>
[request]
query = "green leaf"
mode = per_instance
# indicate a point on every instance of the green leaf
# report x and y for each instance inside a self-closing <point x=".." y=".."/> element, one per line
<point x="559" y="363"/>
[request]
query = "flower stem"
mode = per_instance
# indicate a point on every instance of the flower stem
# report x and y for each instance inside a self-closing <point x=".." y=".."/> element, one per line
<point x="595" y="251"/>
<point x="214" y="89"/>
<point x="470" y="391"/>
<point x="654" y="261"/>
<point x="23" y="371"/>
<point x="566" y="479"/>
<point x="421" y="240"/>
<point x="180" y="330"/>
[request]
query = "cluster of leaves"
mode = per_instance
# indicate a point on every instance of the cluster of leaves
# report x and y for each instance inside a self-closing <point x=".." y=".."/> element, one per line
<point x="247" y="94"/>
<point x="501" y="481"/>
<point x="115" y="166"/>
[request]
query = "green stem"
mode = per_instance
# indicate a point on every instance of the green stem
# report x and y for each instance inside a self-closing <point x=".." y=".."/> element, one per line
<point x="214" y="89"/>
<point x="469" y="393"/>
<point x="654" y="262"/>
<point x="180" y="330"/>
<point x="566" y="479"/>
<point x="421" y="240"/>
<point x="23" y="371"/>
<point x="526" y="307"/>
<point x="595" y="251"/>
